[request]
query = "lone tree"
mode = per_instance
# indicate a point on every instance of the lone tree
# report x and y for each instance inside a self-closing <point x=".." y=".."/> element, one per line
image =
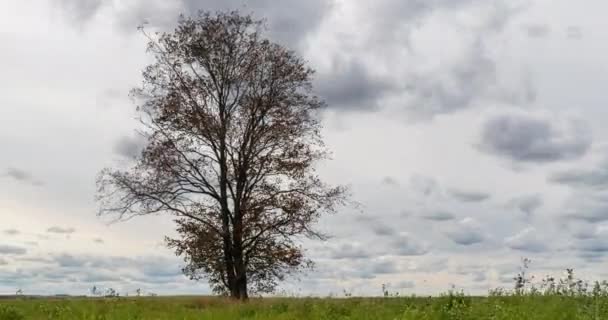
<point x="232" y="138"/>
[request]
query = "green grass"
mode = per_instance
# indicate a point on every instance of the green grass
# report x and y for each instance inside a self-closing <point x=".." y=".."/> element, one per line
<point x="448" y="307"/>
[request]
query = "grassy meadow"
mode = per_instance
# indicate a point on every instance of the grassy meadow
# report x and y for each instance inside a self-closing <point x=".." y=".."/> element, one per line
<point x="567" y="298"/>
<point x="452" y="306"/>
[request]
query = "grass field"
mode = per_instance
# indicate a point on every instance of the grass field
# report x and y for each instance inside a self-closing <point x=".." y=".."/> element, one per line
<point x="447" y="307"/>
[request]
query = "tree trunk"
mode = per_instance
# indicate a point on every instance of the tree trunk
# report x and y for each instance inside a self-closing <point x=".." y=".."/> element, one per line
<point x="227" y="237"/>
<point x="242" y="287"/>
<point x="238" y="286"/>
<point x="240" y="271"/>
<point x="230" y="276"/>
<point x="237" y="240"/>
<point x="239" y="264"/>
<point x="229" y="260"/>
<point x="229" y="248"/>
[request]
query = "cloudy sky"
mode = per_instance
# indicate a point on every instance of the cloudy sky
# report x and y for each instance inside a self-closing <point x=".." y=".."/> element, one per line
<point x="472" y="133"/>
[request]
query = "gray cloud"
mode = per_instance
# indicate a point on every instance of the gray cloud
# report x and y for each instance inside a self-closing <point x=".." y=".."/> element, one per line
<point x="113" y="262"/>
<point x="454" y="89"/>
<point x="465" y="237"/>
<point x="590" y="244"/>
<point x="17" y="174"/>
<point x="537" y="30"/>
<point x="91" y="269"/>
<point x="98" y="240"/>
<point x="67" y="260"/>
<point x="448" y="89"/>
<point x="3" y="262"/>
<point x="60" y="230"/>
<point x="527" y="204"/>
<point x="526" y="240"/>
<point x="405" y="284"/>
<point x="108" y="97"/>
<point x="406" y="245"/>
<point x="434" y="265"/>
<point x="471" y="78"/>
<point x="351" y="86"/>
<point x="479" y="276"/>
<point x="439" y="216"/>
<point x="574" y="32"/>
<point x="349" y="251"/>
<point x="157" y="14"/>
<point x="350" y="83"/>
<point x="35" y="259"/>
<point x="405" y="213"/>
<point x="465" y="269"/>
<point x="22" y="176"/>
<point x="100" y="278"/>
<point x="12" y="250"/>
<point x="365" y="217"/>
<point x="80" y="11"/>
<point x="593" y="215"/>
<point x="591" y="257"/>
<point x="400" y="18"/>
<point x="466" y="232"/>
<point x="130" y="147"/>
<point x="593" y="246"/>
<point x="153" y="266"/>
<point x="588" y="207"/>
<point x="581" y="231"/>
<point x="384" y="267"/>
<point x="390" y="181"/>
<point x="289" y="22"/>
<point x="529" y="139"/>
<point x="383" y="230"/>
<point x="589" y="199"/>
<point x="596" y="178"/>
<point x="11" y="232"/>
<point x="426" y="186"/>
<point x="469" y="196"/>
<point x="160" y="270"/>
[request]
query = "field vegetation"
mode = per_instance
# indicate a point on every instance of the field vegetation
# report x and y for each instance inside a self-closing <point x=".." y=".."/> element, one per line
<point x="550" y="298"/>
<point x="450" y="306"/>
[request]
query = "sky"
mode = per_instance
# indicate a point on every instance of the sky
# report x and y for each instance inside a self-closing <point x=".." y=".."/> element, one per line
<point x="471" y="132"/>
